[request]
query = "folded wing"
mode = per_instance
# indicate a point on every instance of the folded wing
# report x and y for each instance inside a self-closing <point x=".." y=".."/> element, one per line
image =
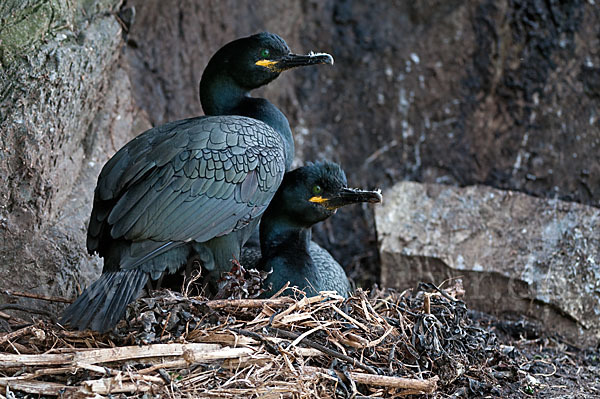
<point x="190" y="180"/>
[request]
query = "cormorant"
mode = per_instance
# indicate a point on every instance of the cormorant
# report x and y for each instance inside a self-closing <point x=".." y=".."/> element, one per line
<point x="196" y="186"/>
<point x="307" y="195"/>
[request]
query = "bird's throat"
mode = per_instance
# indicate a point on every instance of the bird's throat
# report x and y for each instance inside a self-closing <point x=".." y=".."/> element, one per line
<point x="220" y="95"/>
<point x="278" y="234"/>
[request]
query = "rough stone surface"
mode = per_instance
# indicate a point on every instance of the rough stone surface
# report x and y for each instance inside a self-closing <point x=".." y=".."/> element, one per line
<point x="515" y="253"/>
<point x="66" y="106"/>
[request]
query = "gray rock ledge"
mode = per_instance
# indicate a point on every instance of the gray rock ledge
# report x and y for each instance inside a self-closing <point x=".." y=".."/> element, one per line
<point x="515" y="253"/>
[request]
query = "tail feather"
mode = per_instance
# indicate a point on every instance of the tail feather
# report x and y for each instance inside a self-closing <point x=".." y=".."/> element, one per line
<point x="128" y="290"/>
<point x="103" y="303"/>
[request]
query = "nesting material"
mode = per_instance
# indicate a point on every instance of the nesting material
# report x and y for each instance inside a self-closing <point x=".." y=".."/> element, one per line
<point x="383" y="344"/>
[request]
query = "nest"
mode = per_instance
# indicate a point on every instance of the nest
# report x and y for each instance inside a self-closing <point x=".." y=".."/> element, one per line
<point x="382" y="344"/>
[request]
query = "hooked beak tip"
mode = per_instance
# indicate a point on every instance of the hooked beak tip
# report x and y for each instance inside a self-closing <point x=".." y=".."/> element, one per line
<point x="326" y="58"/>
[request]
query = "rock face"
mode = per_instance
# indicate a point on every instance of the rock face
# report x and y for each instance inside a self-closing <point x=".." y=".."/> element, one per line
<point x="515" y="253"/>
<point x="66" y="106"/>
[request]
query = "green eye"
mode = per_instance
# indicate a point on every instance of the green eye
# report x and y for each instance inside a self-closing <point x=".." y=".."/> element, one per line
<point x="317" y="189"/>
<point x="265" y="53"/>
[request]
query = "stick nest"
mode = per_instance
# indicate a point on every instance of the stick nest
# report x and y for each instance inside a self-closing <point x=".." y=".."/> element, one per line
<point x="382" y="344"/>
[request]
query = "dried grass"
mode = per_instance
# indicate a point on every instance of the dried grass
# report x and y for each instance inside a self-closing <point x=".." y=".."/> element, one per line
<point x="385" y="344"/>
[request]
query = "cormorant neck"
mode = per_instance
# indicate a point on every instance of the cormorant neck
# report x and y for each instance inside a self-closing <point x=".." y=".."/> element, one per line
<point x="277" y="232"/>
<point x="220" y="94"/>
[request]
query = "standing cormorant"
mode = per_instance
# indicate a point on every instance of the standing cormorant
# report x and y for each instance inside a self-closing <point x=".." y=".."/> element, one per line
<point x="307" y="195"/>
<point x="194" y="186"/>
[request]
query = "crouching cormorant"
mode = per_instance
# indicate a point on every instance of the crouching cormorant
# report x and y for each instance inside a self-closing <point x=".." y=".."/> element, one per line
<point x="307" y="195"/>
<point x="192" y="187"/>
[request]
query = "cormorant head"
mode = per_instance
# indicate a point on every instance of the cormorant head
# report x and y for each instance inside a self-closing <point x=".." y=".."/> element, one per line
<point x="256" y="60"/>
<point x="314" y="192"/>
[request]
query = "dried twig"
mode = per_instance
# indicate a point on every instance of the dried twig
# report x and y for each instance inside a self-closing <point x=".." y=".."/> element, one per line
<point x="268" y="346"/>
<point x="36" y="387"/>
<point x="195" y="352"/>
<point x="324" y="349"/>
<point x="248" y="303"/>
<point x="27" y="309"/>
<point x="29" y="330"/>
<point x="38" y="296"/>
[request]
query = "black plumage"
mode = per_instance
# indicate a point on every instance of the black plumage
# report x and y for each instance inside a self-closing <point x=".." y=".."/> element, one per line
<point x="308" y="195"/>
<point x="192" y="187"/>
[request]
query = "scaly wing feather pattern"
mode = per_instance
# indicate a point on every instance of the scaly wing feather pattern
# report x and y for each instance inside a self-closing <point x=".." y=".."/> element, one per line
<point x="190" y="180"/>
